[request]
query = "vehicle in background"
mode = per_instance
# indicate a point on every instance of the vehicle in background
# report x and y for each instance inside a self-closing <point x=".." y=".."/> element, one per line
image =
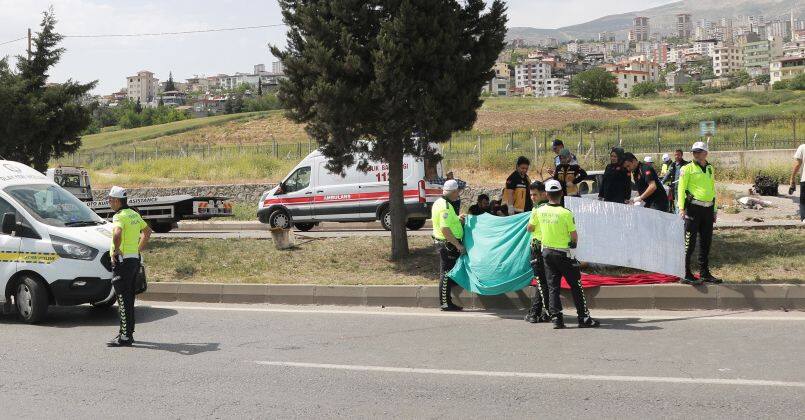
<point x="53" y="248"/>
<point x="161" y="213"/>
<point x="311" y="194"/>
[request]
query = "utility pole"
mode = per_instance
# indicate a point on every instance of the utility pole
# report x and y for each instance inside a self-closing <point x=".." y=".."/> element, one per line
<point x="29" y="44"/>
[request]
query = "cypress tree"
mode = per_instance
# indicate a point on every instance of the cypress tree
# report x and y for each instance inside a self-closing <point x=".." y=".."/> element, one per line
<point x="379" y="79"/>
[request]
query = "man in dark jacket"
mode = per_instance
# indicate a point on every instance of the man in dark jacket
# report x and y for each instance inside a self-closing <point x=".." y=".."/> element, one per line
<point x="616" y="187"/>
<point x="569" y="174"/>
<point x="652" y="194"/>
<point x="672" y="177"/>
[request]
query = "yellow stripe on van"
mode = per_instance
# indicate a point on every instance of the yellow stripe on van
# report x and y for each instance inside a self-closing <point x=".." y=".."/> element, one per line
<point x="29" y="257"/>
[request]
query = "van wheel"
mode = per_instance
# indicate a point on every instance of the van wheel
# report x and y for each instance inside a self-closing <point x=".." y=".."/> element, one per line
<point x="304" y="227"/>
<point x="415" y="224"/>
<point x="385" y="219"/>
<point x="31" y="300"/>
<point x="279" y="219"/>
<point x="162" y="227"/>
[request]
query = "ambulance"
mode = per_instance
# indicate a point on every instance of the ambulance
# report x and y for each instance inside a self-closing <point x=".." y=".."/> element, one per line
<point x="311" y="194"/>
<point x="52" y="246"/>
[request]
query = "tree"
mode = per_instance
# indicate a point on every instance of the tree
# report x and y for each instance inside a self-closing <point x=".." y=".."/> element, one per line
<point x="169" y="85"/>
<point x="40" y="121"/>
<point x="762" y="79"/>
<point x="646" y="89"/>
<point x="379" y="79"/>
<point x="594" y="85"/>
<point x="739" y="78"/>
<point x="797" y="83"/>
<point x="260" y="87"/>
<point x="694" y="87"/>
<point x="138" y="107"/>
<point x="161" y="102"/>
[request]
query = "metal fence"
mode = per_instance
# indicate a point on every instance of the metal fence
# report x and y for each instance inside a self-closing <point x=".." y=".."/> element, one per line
<point x="489" y="149"/>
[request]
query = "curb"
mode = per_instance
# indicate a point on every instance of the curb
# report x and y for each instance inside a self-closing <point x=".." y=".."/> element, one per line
<point x="665" y="296"/>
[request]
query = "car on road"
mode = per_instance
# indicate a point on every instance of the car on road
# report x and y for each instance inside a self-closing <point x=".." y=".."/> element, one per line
<point x="311" y="194"/>
<point x="52" y="246"/>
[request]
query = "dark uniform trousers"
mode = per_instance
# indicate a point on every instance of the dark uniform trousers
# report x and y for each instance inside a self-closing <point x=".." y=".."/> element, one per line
<point x="557" y="265"/>
<point x="540" y="299"/>
<point x="802" y="200"/>
<point x="125" y="275"/>
<point x="448" y="255"/>
<point x="698" y="224"/>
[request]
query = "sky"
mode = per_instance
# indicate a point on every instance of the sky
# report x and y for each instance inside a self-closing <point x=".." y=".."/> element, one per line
<point x="110" y="60"/>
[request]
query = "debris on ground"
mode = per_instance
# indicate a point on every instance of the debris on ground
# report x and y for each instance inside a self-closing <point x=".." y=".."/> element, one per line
<point x="754" y="203"/>
<point x="754" y="219"/>
<point x="766" y="185"/>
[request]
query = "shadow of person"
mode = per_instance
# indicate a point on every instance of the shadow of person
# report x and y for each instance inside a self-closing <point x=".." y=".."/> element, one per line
<point x="627" y="324"/>
<point x="184" y="349"/>
<point x="85" y="315"/>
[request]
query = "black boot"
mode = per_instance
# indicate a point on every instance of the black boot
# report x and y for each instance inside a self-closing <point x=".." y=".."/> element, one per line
<point x="708" y="277"/>
<point x="588" y="322"/>
<point x="558" y="322"/>
<point x="120" y="342"/>
<point x="691" y="280"/>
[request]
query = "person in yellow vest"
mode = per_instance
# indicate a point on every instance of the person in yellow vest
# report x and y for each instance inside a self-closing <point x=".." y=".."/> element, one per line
<point x="558" y="237"/>
<point x="666" y="165"/>
<point x="448" y="232"/>
<point x="130" y="236"/>
<point x="696" y="195"/>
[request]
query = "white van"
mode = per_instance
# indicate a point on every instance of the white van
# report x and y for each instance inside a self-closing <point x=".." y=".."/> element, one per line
<point x="311" y="194"/>
<point x="52" y="246"/>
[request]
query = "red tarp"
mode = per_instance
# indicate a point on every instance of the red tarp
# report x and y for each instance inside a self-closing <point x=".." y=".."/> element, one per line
<point x="593" y="280"/>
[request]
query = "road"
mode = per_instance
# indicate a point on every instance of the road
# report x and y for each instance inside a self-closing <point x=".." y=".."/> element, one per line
<point x="230" y="361"/>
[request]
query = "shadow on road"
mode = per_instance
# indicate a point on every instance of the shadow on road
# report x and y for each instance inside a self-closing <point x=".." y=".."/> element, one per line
<point x="184" y="349"/>
<point x="83" y="316"/>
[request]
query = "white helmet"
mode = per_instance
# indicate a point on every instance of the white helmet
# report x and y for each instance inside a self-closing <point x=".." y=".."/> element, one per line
<point x="450" y="186"/>
<point x="117" y="192"/>
<point x="699" y="146"/>
<point x="666" y="157"/>
<point x="648" y="159"/>
<point x="553" y="186"/>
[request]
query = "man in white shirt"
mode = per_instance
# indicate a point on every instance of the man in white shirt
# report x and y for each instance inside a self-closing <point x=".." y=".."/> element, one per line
<point x="799" y="172"/>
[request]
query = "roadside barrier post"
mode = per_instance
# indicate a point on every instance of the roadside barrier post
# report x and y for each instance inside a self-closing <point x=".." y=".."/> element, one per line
<point x="746" y="134"/>
<point x="659" y="146"/>
<point x="534" y="140"/>
<point x="479" y="151"/>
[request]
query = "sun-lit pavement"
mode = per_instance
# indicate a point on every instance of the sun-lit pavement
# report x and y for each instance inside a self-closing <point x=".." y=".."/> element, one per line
<point x="235" y="361"/>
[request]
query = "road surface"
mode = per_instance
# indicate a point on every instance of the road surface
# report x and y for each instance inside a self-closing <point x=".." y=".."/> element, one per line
<point x="249" y="361"/>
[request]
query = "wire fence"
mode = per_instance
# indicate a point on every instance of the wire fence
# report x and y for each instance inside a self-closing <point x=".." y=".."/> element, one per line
<point x="485" y="149"/>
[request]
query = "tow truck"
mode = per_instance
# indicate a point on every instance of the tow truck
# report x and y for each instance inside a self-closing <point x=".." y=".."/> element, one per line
<point x="161" y="213"/>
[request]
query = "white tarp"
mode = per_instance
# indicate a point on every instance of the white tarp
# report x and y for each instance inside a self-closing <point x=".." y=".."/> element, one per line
<point x="629" y="236"/>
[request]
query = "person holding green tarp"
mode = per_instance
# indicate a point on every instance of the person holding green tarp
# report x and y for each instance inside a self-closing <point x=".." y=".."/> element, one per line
<point x="448" y="232"/>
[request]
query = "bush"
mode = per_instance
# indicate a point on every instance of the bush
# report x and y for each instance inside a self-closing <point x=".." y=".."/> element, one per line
<point x="645" y="89"/>
<point x="594" y="85"/>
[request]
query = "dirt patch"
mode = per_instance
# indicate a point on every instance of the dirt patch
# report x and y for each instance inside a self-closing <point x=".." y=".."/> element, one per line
<point x="507" y="121"/>
<point x="257" y="131"/>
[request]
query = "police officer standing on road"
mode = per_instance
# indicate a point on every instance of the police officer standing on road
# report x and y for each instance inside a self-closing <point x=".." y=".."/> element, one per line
<point x="130" y="235"/>
<point x="696" y="194"/>
<point x="558" y="236"/>
<point x="448" y="231"/>
<point x="539" y="304"/>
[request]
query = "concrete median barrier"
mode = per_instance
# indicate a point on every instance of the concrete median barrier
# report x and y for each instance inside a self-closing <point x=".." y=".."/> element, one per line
<point x="667" y="296"/>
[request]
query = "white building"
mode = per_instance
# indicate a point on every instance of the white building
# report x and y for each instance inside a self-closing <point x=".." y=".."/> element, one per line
<point x="705" y="47"/>
<point x="626" y="79"/>
<point x="550" y="87"/>
<point x="786" y="68"/>
<point x="529" y="72"/>
<point x="727" y="59"/>
<point x="143" y="87"/>
<point x="277" y="67"/>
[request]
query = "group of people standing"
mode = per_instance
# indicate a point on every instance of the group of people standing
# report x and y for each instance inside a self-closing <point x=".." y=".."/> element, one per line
<point x="552" y="226"/>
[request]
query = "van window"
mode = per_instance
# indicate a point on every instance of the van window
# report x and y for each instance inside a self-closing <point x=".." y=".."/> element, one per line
<point x="68" y="181"/>
<point x="5" y="207"/>
<point x="53" y="205"/>
<point x="298" y="180"/>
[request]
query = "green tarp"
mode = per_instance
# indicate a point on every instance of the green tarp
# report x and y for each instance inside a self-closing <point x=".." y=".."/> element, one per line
<point x="498" y="255"/>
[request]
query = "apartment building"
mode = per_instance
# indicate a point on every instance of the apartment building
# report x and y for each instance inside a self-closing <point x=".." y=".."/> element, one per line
<point x="142" y="87"/>
<point x="640" y="29"/>
<point x="529" y="72"/>
<point x="550" y="87"/>
<point x="684" y="25"/>
<point x="705" y="47"/>
<point x="727" y="59"/>
<point x="758" y="55"/>
<point x="786" y="68"/>
<point x="497" y="86"/>
<point x="626" y="79"/>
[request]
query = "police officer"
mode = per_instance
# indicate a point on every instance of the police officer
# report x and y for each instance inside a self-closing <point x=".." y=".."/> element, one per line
<point x="558" y="235"/>
<point x="448" y="231"/>
<point x="696" y="194"/>
<point x="130" y="236"/>
<point x="539" y="303"/>
<point x="652" y="193"/>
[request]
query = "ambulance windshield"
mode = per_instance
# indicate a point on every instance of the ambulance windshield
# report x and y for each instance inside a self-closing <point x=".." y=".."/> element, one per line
<point x="53" y="206"/>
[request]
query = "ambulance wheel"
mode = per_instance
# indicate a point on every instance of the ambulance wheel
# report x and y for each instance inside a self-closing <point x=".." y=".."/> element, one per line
<point x="304" y="227"/>
<point x="415" y="224"/>
<point x="31" y="299"/>
<point x="162" y="227"/>
<point x="279" y="219"/>
<point x="385" y="219"/>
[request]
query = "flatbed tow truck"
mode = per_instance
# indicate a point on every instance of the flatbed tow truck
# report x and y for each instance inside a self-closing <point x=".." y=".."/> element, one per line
<point x="161" y="213"/>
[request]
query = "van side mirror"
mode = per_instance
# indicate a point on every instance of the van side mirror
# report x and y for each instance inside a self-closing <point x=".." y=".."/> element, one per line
<point x="9" y="223"/>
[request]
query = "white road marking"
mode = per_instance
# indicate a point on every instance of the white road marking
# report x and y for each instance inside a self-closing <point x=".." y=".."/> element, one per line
<point x="693" y="316"/>
<point x="535" y="375"/>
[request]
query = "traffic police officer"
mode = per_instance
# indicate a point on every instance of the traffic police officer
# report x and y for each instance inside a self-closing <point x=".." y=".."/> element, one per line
<point x="696" y="195"/>
<point x="448" y="231"/>
<point x="558" y="235"/>
<point x="539" y="303"/>
<point x="130" y="235"/>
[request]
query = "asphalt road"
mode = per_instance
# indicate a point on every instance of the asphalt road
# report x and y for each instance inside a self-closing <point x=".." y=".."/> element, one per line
<point x="216" y="361"/>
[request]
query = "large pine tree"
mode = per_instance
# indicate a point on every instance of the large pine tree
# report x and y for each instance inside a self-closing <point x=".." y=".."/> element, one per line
<point x="385" y="78"/>
<point x="40" y="121"/>
<point x="169" y="85"/>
